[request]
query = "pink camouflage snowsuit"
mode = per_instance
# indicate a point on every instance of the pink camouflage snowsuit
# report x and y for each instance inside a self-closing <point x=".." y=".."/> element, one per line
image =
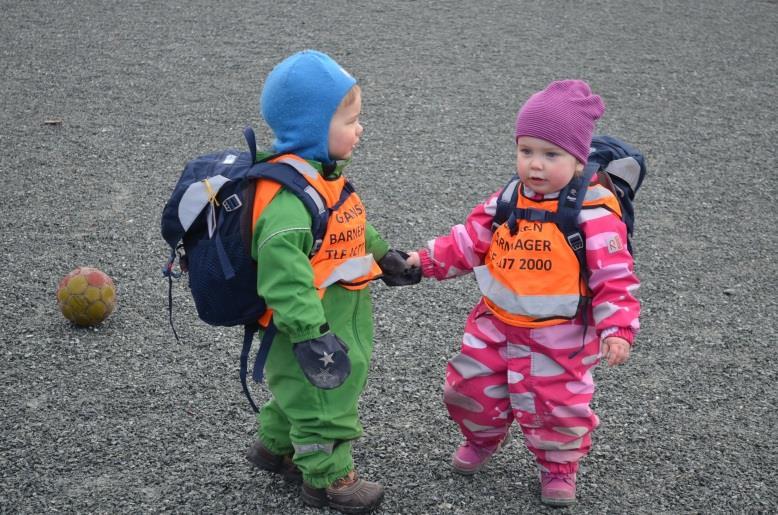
<point x="542" y="376"/>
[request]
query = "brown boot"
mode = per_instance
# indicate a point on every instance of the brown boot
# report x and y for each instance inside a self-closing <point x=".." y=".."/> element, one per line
<point x="348" y="494"/>
<point x="260" y="457"/>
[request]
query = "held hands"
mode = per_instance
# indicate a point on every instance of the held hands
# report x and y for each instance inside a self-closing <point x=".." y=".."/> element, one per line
<point x="615" y="350"/>
<point x="397" y="270"/>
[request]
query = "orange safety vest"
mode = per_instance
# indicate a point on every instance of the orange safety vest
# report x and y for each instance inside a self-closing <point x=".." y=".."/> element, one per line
<point x="342" y="254"/>
<point x="533" y="278"/>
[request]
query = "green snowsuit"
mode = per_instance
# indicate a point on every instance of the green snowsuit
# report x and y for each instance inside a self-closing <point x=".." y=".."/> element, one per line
<point x="314" y="425"/>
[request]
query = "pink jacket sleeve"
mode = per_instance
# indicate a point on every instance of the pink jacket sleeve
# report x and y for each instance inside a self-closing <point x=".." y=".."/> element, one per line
<point x="612" y="277"/>
<point x="464" y="247"/>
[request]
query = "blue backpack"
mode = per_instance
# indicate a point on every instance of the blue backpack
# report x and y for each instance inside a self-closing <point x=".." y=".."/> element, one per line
<point x="207" y="222"/>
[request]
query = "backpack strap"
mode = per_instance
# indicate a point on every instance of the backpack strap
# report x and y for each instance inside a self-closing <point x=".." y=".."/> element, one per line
<point x="251" y="141"/>
<point x="248" y="338"/>
<point x="571" y="199"/>
<point x="257" y="372"/>
<point x="167" y="271"/>
<point x="348" y="189"/>
<point x="296" y="183"/>
<point x="506" y="202"/>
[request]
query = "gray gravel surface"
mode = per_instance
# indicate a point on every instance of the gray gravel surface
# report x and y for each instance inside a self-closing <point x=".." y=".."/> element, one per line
<point x="121" y="419"/>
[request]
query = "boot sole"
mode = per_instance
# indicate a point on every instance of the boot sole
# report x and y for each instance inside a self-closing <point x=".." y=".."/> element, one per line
<point x="319" y="499"/>
<point x="467" y="471"/>
<point x="261" y="463"/>
<point x="351" y="509"/>
<point x="557" y="502"/>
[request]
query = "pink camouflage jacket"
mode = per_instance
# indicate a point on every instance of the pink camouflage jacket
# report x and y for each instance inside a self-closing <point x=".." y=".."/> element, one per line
<point x="612" y="280"/>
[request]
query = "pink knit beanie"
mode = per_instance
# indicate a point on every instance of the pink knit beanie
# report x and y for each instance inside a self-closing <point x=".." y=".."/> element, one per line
<point x="563" y="114"/>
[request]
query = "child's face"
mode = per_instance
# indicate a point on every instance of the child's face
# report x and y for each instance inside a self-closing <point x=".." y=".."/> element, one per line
<point x="345" y="129"/>
<point x="544" y="167"/>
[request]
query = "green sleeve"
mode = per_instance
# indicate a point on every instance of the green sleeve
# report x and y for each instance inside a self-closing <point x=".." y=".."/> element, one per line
<point x="281" y="242"/>
<point x="374" y="243"/>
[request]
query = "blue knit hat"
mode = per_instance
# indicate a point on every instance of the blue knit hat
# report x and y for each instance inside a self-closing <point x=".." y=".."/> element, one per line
<point x="298" y="100"/>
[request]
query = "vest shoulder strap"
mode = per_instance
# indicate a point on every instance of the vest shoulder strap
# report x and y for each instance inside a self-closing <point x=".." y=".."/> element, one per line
<point x="506" y="202"/>
<point x="571" y="199"/>
<point x="294" y="182"/>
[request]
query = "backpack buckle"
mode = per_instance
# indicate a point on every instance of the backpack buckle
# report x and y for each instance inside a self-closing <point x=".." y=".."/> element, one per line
<point x="231" y="203"/>
<point x="576" y="241"/>
<point x="537" y="215"/>
<point x="316" y="246"/>
<point x="168" y="269"/>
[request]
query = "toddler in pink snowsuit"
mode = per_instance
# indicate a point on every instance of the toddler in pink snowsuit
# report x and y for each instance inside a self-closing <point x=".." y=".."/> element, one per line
<point x="542" y="324"/>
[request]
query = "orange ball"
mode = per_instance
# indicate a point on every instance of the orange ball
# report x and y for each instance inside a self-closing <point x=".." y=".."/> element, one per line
<point x="86" y="296"/>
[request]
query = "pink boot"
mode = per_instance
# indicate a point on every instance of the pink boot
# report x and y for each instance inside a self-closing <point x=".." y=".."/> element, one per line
<point x="469" y="457"/>
<point x="557" y="489"/>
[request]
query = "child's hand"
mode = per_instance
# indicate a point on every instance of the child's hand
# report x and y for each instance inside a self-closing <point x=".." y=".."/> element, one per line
<point x="615" y="350"/>
<point x="396" y="269"/>
<point x="413" y="259"/>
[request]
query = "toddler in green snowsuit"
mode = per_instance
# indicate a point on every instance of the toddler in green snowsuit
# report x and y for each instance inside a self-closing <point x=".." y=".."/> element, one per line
<point x="320" y="304"/>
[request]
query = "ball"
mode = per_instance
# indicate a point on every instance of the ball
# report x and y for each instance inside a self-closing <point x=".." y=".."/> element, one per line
<point x="86" y="296"/>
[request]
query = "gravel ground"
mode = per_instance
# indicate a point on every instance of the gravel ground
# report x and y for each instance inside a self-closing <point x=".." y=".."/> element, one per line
<point x="122" y="419"/>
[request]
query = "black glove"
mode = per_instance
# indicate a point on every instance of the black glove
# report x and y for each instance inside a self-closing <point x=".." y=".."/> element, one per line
<point x="396" y="270"/>
<point x="324" y="360"/>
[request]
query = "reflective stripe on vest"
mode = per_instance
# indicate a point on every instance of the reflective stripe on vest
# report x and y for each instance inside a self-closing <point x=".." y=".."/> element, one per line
<point x="535" y="306"/>
<point x="350" y="270"/>
<point x="533" y="278"/>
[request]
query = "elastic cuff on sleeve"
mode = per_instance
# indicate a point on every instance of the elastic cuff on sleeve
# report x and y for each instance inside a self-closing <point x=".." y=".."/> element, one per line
<point x="620" y="332"/>
<point x="427" y="267"/>
<point x="309" y="334"/>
